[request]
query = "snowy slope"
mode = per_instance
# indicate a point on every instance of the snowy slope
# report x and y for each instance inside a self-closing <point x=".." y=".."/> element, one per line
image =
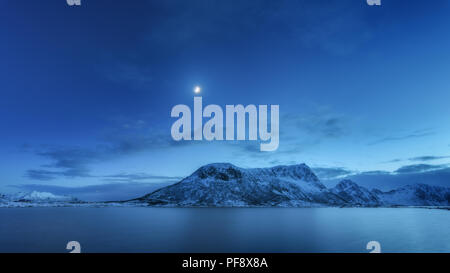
<point x="356" y="195"/>
<point x="223" y="184"/>
<point x="35" y="198"/>
<point x="416" y="195"/>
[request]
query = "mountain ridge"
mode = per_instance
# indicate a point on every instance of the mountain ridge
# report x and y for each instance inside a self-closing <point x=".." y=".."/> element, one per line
<point x="37" y="197"/>
<point x="226" y="185"/>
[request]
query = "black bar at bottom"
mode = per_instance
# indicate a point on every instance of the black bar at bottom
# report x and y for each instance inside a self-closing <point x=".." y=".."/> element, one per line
<point x="223" y="262"/>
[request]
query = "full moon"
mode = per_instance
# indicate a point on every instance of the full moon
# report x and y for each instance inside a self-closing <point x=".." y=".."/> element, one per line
<point x="197" y="89"/>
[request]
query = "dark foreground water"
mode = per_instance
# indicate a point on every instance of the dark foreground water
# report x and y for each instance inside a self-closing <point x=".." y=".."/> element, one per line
<point x="224" y="230"/>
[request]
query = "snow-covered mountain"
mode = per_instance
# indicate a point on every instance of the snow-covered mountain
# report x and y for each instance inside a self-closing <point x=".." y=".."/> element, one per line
<point x="416" y="195"/>
<point x="36" y="197"/>
<point x="223" y="184"/>
<point x="356" y="195"/>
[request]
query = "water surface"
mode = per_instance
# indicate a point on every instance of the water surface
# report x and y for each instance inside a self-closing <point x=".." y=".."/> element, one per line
<point x="134" y="229"/>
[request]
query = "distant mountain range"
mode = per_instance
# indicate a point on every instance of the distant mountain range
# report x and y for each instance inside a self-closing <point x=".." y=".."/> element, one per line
<point x="35" y="198"/>
<point x="225" y="185"/>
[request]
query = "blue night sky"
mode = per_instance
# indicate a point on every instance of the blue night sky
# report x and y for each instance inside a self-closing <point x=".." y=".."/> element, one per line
<point x="86" y="92"/>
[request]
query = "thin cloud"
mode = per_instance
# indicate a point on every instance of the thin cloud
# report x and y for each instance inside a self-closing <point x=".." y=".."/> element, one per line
<point x="393" y="160"/>
<point x="318" y="125"/>
<point x="415" y="134"/>
<point x="138" y="177"/>
<point x="374" y="173"/>
<point x="418" y="158"/>
<point x="76" y="161"/>
<point x="45" y="175"/>
<point x="304" y="132"/>
<point x="428" y="158"/>
<point x="418" y="168"/>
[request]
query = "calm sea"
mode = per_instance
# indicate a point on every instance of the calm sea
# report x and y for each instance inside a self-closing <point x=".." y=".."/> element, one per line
<point x="133" y="229"/>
